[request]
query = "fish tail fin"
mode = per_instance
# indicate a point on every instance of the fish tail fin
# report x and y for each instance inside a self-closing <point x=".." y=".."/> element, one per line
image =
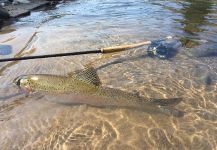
<point x="166" y="102"/>
<point x="171" y="111"/>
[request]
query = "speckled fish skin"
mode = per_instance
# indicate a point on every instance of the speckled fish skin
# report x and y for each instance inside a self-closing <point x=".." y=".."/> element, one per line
<point x="85" y="88"/>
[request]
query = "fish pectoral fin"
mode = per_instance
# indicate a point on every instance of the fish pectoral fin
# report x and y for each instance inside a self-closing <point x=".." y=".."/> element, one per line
<point x="166" y="102"/>
<point x="171" y="111"/>
<point x="87" y="75"/>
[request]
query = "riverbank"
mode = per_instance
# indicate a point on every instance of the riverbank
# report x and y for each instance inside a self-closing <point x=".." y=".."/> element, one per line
<point x="17" y="9"/>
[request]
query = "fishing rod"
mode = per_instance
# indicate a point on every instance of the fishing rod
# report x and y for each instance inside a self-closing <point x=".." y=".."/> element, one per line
<point x="101" y="50"/>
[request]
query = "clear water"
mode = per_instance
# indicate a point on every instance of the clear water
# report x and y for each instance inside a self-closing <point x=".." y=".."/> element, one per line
<point x="39" y="122"/>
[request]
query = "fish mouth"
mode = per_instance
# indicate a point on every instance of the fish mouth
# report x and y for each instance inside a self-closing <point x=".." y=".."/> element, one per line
<point x="17" y="80"/>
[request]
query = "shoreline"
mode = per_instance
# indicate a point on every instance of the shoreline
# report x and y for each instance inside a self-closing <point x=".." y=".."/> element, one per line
<point x="10" y="11"/>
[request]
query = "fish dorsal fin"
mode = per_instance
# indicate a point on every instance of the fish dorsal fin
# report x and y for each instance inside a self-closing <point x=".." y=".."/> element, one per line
<point x="87" y="75"/>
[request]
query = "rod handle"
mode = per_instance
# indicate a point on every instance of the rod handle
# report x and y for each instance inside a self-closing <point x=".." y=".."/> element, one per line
<point x="123" y="47"/>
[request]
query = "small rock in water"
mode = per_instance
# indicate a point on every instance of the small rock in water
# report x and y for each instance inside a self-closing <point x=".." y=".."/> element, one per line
<point x="205" y="51"/>
<point x="202" y="75"/>
<point x="207" y="115"/>
<point x="208" y="80"/>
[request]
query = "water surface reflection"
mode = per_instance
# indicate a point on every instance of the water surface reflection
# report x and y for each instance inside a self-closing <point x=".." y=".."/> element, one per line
<point x="194" y="13"/>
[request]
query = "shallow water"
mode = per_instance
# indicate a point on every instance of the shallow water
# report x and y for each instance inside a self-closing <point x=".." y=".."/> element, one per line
<point x="41" y="122"/>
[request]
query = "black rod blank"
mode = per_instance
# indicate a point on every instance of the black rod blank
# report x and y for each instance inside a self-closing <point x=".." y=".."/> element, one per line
<point x="50" y="55"/>
<point x="101" y="50"/>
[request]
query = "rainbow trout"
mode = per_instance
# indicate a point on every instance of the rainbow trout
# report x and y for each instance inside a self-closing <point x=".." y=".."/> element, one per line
<point x="84" y="87"/>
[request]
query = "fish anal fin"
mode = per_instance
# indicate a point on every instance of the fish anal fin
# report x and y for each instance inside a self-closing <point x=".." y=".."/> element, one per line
<point x="87" y="75"/>
<point x="166" y="102"/>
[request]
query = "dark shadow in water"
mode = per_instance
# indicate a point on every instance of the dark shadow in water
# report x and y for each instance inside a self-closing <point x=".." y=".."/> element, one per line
<point x="121" y="60"/>
<point x="5" y="49"/>
<point x="164" y="110"/>
<point x="194" y="15"/>
<point x="126" y="59"/>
